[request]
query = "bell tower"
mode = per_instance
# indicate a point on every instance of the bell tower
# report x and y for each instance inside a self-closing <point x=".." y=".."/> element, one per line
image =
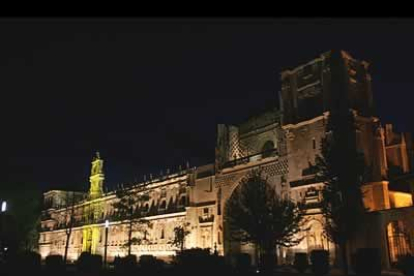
<point x="97" y="177"/>
<point x="91" y="233"/>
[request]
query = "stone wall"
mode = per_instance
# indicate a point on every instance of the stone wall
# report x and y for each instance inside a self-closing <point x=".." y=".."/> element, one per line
<point x="303" y="145"/>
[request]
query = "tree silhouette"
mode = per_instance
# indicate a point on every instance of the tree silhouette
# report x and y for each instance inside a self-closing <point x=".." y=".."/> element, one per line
<point x="24" y="202"/>
<point x="342" y="170"/>
<point x="256" y="214"/>
<point x="128" y="209"/>
<point x="69" y="219"/>
<point x="180" y="234"/>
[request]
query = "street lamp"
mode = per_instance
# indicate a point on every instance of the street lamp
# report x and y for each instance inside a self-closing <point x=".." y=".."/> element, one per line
<point x="3" y="243"/>
<point x="106" y="240"/>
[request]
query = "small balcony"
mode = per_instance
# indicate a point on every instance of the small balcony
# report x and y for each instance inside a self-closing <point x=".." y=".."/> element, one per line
<point x="45" y="216"/>
<point x="250" y="158"/>
<point x="205" y="219"/>
<point x="303" y="182"/>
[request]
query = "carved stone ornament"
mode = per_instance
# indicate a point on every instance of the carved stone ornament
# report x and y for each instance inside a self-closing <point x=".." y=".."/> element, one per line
<point x="290" y="135"/>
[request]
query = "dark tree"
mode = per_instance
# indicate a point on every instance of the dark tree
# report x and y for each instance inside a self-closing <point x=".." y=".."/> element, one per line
<point x="22" y="215"/>
<point x="69" y="219"/>
<point x="256" y="214"/>
<point x="180" y="234"/>
<point x="341" y="168"/>
<point x="128" y="209"/>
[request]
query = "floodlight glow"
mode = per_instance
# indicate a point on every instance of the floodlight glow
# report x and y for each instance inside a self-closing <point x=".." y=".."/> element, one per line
<point x="3" y="206"/>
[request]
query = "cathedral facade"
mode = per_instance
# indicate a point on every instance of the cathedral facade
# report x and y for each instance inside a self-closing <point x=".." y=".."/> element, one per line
<point x="283" y="143"/>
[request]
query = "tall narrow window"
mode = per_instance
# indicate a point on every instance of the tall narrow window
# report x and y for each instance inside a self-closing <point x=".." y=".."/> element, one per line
<point x="163" y="205"/>
<point x="398" y="240"/>
<point x="183" y="200"/>
<point x="219" y="202"/>
<point x="313" y="143"/>
<point x="267" y="149"/>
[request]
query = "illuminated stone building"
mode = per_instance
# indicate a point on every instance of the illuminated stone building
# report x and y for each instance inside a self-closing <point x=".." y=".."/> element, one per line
<point x="283" y="143"/>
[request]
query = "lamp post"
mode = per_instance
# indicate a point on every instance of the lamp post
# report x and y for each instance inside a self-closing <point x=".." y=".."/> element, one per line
<point x="106" y="241"/>
<point x="3" y="206"/>
<point x="3" y="244"/>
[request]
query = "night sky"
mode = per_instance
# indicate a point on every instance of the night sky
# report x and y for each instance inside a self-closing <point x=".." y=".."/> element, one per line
<point x="149" y="93"/>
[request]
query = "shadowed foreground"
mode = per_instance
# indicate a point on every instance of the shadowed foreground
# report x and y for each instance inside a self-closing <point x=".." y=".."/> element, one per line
<point x="190" y="262"/>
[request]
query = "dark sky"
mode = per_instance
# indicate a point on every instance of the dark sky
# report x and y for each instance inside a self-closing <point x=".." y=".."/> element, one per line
<point x="149" y="93"/>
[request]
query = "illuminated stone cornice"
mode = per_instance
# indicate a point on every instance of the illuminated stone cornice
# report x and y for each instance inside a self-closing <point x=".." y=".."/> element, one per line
<point x="307" y="122"/>
<point x="248" y="165"/>
<point x="259" y="130"/>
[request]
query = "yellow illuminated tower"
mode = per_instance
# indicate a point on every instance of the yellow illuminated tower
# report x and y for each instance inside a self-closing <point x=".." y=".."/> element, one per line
<point x="97" y="177"/>
<point x="94" y="209"/>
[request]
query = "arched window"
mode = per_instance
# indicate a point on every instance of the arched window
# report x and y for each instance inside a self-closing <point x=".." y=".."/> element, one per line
<point x="183" y="200"/>
<point x="267" y="149"/>
<point x="398" y="240"/>
<point x="138" y="209"/>
<point x="163" y="205"/>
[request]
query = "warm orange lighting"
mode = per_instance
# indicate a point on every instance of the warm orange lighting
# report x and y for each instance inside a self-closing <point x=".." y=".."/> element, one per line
<point x="400" y="199"/>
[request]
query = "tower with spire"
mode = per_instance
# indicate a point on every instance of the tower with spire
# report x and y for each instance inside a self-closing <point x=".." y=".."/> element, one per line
<point x="97" y="177"/>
